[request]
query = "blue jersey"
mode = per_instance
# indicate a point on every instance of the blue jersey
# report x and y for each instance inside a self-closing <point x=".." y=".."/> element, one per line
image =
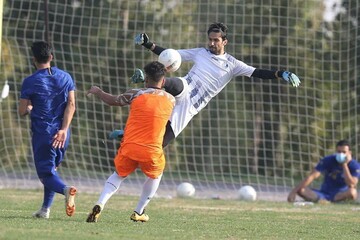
<point x="48" y="91"/>
<point x="334" y="180"/>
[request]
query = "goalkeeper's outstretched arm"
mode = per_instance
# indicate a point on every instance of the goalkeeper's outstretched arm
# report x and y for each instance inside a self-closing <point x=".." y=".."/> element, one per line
<point x="269" y="74"/>
<point x="143" y="40"/>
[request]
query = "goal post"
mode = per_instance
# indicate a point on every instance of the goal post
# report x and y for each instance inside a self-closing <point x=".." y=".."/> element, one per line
<point x="262" y="133"/>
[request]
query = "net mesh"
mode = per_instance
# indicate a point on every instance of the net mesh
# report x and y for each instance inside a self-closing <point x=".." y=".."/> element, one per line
<point x="263" y="133"/>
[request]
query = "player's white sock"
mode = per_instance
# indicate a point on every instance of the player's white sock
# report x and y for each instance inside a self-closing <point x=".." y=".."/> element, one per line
<point x="149" y="189"/>
<point x="111" y="186"/>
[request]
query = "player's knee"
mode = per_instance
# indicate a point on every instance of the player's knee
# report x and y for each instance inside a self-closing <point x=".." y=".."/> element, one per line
<point x="45" y="172"/>
<point x="174" y="86"/>
<point x="301" y="191"/>
<point x="353" y="193"/>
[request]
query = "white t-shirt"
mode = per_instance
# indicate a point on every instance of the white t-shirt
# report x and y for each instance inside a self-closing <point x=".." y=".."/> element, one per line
<point x="208" y="76"/>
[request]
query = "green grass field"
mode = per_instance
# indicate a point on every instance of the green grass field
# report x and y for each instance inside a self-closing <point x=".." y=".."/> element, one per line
<point x="177" y="219"/>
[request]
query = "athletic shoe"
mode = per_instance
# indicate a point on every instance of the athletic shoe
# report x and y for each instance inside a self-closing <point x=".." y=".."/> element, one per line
<point x="137" y="217"/>
<point x="116" y="134"/>
<point x="70" y="200"/>
<point x="138" y="76"/>
<point x="95" y="213"/>
<point x="41" y="213"/>
<point x="323" y="202"/>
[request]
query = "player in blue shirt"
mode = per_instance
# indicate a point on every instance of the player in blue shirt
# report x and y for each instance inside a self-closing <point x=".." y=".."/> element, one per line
<point x="48" y="96"/>
<point x="341" y="173"/>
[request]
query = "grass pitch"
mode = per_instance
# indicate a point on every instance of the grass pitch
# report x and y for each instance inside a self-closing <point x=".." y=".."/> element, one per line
<point x="176" y="219"/>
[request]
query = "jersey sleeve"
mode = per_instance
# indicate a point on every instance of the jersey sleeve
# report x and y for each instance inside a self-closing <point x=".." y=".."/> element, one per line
<point x="188" y="55"/>
<point x="242" y="69"/>
<point x="26" y="90"/>
<point x="355" y="169"/>
<point x="127" y="97"/>
<point x="72" y="85"/>
<point x="323" y="164"/>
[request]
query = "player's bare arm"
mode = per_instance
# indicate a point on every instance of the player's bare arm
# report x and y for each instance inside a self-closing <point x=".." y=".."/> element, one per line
<point x="59" y="138"/>
<point x="349" y="179"/>
<point x="25" y="107"/>
<point x="107" y="98"/>
<point x="113" y="100"/>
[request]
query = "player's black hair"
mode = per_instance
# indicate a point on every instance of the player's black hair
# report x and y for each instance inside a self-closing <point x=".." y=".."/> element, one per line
<point x="155" y="71"/>
<point x="41" y="51"/>
<point x="218" y="27"/>
<point x="343" y="143"/>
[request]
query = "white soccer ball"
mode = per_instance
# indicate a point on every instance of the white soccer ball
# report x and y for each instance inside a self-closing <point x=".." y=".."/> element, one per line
<point x="171" y="59"/>
<point x="247" y="193"/>
<point x="185" y="190"/>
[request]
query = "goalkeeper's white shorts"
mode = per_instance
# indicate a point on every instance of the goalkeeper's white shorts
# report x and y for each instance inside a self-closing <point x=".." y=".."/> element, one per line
<point x="183" y="111"/>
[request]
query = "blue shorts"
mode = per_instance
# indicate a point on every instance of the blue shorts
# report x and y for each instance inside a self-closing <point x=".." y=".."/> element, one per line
<point x="46" y="157"/>
<point x="328" y="195"/>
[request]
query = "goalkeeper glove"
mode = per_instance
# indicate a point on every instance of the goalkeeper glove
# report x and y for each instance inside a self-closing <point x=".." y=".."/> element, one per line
<point x="138" y="76"/>
<point x="291" y="78"/>
<point x="116" y="134"/>
<point x="143" y="39"/>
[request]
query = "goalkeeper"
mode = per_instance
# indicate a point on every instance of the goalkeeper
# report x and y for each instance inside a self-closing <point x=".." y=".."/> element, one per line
<point x="141" y="145"/>
<point x="213" y="68"/>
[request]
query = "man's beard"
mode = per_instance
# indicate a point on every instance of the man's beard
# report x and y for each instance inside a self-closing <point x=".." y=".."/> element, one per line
<point x="214" y="50"/>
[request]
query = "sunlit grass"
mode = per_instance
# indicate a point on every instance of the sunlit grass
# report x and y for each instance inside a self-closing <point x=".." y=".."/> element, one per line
<point x="176" y="219"/>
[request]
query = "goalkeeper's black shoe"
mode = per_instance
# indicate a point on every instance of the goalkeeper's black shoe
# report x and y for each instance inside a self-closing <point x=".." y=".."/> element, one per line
<point x="139" y="218"/>
<point x="95" y="214"/>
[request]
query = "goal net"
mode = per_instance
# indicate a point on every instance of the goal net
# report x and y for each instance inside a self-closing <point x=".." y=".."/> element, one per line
<point x="262" y="133"/>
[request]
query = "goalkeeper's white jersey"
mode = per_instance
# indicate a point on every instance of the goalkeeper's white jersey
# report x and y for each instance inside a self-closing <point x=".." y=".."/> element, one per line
<point x="208" y="76"/>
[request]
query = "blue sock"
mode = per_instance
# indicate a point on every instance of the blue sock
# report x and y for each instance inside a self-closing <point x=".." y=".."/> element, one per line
<point x="53" y="183"/>
<point x="48" y="198"/>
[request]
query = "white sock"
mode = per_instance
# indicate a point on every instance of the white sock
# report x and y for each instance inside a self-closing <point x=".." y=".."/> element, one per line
<point x="111" y="186"/>
<point x="149" y="189"/>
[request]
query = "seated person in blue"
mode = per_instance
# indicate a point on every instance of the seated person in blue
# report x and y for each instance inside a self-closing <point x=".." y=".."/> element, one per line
<point x="340" y="173"/>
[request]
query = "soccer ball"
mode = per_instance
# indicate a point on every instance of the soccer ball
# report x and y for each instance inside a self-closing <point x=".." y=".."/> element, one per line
<point x="171" y="59"/>
<point x="185" y="190"/>
<point x="247" y="193"/>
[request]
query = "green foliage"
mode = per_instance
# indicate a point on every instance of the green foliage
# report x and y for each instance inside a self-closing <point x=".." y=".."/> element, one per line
<point x="276" y="129"/>
<point x="11" y="157"/>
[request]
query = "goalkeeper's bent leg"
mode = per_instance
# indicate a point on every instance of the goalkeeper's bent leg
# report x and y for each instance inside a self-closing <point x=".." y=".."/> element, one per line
<point x="174" y="86"/>
<point x="169" y="135"/>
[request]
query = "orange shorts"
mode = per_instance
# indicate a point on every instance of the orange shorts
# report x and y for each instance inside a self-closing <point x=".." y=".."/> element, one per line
<point x="152" y="168"/>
